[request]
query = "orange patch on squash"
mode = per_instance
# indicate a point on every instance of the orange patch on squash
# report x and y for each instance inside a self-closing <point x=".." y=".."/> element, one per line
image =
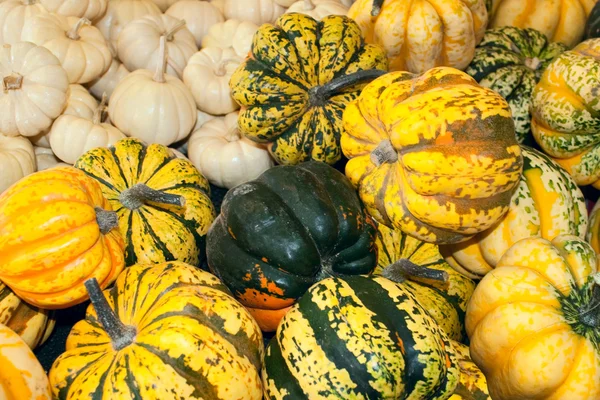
<point x="268" y="320"/>
<point x="258" y="299"/>
<point x="445" y="138"/>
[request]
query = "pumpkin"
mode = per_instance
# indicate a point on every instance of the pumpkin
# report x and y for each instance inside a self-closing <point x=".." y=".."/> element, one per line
<point x="592" y="25"/>
<point x="318" y="8"/>
<point x="231" y="33"/>
<point x="224" y="156"/>
<point x="285" y="3"/>
<point x="176" y="332"/>
<point x="162" y="202"/>
<point x="138" y="46"/>
<point x="90" y="9"/>
<point x="356" y="337"/>
<point x="13" y="14"/>
<point x="593" y="233"/>
<point x="564" y="121"/>
<point x="22" y="376"/>
<point x="45" y="158"/>
<point x="207" y="75"/>
<point x="472" y="384"/>
<point x="434" y="155"/>
<point x="310" y="82"/>
<point x="57" y="230"/>
<point x="510" y="61"/>
<point x="287" y="229"/>
<point x="199" y="17"/>
<point x="420" y="35"/>
<point x="32" y="324"/>
<point x="419" y="266"/>
<point x="17" y="160"/>
<point x="109" y="80"/>
<point x="560" y="20"/>
<point x="35" y="89"/>
<point x="164" y="4"/>
<point x="153" y="106"/>
<point x="81" y="49"/>
<point x="533" y="322"/>
<point x="257" y="11"/>
<point x="547" y="203"/>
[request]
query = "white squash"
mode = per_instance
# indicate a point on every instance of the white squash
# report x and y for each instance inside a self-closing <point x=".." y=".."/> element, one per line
<point x="224" y="156"/>
<point x="90" y="9"/>
<point x="202" y="118"/>
<point x="318" y="9"/>
<point x="107" y="82"/>
<point x="199" y="16"/>
<point x="231" y="33"/>
<point x="257" y="11"/>
<point x="347" y="3"/>
<point x="17" y="160"/>
<point x="153" y="106"/>
<point x="80" y="47"/>
<point x="138" y="43"/>
<point x="35" y="89"/>
<point x="164" y="4"/>
<point x="220" y="4"/>
<point x="285" y="3"/>
<point x="207" y="75"/>
<point x="13" y="14"/>
<point x="45" y="158"/>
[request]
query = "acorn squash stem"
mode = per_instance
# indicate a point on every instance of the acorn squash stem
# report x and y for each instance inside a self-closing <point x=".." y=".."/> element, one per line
<point x="120" y="334"/>
<point x="402" y="269"/>
<point x="320" y="94"/>
<point x="376" y="8"/>
<point x="137" y="195"/>
<point x="384" y="153"/>
<point x="107" y="220"/>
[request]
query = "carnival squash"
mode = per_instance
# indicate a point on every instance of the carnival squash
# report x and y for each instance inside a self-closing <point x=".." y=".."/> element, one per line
<point x="294" y="87"/>
<point x="165" y="331"/>
<point x="17" y="159"/>
<point x="162" y="201"/>
<point x="592" y="26"/>
<point x="533" y="322"/>
<point x="593" y="233"/>
<point x="284" y="231"/>
<point x="434" y="155"/>
<point x="472" y="384"/>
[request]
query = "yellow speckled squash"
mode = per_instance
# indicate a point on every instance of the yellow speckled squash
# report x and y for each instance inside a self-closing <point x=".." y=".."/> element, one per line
<point x="166" y="331"/>
<point x="593" y="233"/>
<point x="299" y="77"/>
<point x="547" y="203"/>
<point x="420" y="35"/>
<point x="162" y="201"/>
<point x="472" y="384"/>
<point x="434" y="155"/>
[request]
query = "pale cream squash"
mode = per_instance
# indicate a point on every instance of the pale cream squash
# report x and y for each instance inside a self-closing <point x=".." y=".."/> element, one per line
<point x="233" y="33"/>
<point x="165" y="4"/>
<point x="13" y="14"/>
<point x="107" y="82"/>
<point x="90" y="9"/>
<point x="257" y="11"/>
<point x="220" y="4"/>
<point x="318" y="9"/>
<point x="285" y="3"/>
<point x="199" y="16"/>
<point x="45" y="158"/>
<point x="17" y="160"/>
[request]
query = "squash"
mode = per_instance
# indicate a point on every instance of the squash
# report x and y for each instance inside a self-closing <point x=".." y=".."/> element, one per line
<point x="472" y="384"/>
<point x="318" y="8"/>
<point x="231" y="33"/>
<point x="434" y="155"/>
<point x="294" y="101"/>
<point x="547" y="203"/>
<point x="560" y="20"/>
<point x="81" y="49"/>
<point x="45" y="158"/>
<point x="13" y="14"/>
<point x="90" y="9"/>
<point x="207" y="75"/>
<point x="420" y="35"/>
<point x="138" y="45"/>
<point x="17" y="160"/>
<point x="32" y="324"/>
<point x="510" y="61"/>
<point x="163" y="203"/>
<point x="285" y="3"/>
<point x="109" y="80"/>
<point x="163" y="5"/>
<point x="284" y="231"/>
<point x="592" y="25"/>
<point x="57" y="230"/>
<point x="256" y="11"/>
<point x="533" y="322"/>
<point x="22" y="376"/>
<point x="593" y="232"/>
<point x="356" y="337"/>
<point x="564" y="120"/>
<point x="199" y="17"/>
<point x="153" y="106"/>
<point x="224" y="156"/>
<point x="35" y="89"/>
<point x="176" y="332"/>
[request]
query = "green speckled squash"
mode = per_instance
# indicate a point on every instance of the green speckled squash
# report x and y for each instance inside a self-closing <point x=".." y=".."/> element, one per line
<point x="510" y="61"/>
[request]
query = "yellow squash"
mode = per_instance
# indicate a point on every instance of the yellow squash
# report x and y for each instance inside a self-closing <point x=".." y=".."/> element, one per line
<point x="472" y="384"/>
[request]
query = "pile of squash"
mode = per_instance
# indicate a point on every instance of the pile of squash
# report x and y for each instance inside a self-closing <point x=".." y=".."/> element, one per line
<point x="409" y="208"/>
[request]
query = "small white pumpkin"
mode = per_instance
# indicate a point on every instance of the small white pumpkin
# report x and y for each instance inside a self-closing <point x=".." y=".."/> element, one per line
<point x="45" y="158"/>
<point x="207" y="75"/>
<point x="153" y="106"/>
<point x="138" y="43"/>
<point x="107" y="82"/>
<point x="285" y="3"/>
<point x="224" y="156"/>
<point x="34" y="91"/>
<point x="198" y="15"/>
<point x="231" y="33"/>
<point x="347" y="3"/>
<point x="17" y="160"/>
<point x="165" y="4"/>
<point x="13" y="14"/>
<point x="80" y="47"/>
<point x="202" y="118"/>
<point x="257" y="11"/>
<point x="90" y="9"/>
<point x="318" y="9"/>
<point x="220" y="4"/>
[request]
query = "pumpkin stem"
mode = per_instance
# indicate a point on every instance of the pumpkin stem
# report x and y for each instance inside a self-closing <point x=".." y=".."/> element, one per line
<point x="533" y="63"/>
<point x="384" y="153"/>
<point x="308" y="5"/>
<point x="13" y="81"/>
<point x="161" y="66"/>
<point x="233" y="135"/>
<point x="318" y="95"/>
<point x="171" y="32"/>
<point x="220" y="70"/>
<point x="137" y="195"/>
<point x="120" y="335"/>
<point x="402" y="269"/>
<point x="376" y="8"/>
<point x="97" y="118"/>
<point x="106" y="220"/>
<point x="73" y="33"/>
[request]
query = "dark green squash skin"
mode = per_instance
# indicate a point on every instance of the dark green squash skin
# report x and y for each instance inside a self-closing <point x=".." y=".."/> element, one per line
<point x="592" y="26"/>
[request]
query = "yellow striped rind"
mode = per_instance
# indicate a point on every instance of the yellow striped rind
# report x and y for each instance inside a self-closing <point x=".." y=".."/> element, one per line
<point x="472" y="384"/>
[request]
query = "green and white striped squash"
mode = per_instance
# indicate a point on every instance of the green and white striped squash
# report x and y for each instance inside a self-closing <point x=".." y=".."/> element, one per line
<point x="510" y="61"/>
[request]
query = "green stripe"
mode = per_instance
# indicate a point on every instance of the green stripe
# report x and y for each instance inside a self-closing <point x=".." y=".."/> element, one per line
<point x="276" y="370"/>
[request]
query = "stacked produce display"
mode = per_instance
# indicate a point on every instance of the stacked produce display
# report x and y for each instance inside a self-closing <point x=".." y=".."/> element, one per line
<point x="300" y="199"/>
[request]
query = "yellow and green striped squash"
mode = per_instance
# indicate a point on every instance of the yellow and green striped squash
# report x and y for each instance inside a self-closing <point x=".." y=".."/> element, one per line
<point x="472" y="384"/>
<point x="434" y="155"/>
<point x="179" y="335"/>
<point x="547" y="203"/>
<point x="359" y="338"/>
<point x="298" y="78"/>
<point x="162" y="201"/>
<point x="445" y="299"/>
